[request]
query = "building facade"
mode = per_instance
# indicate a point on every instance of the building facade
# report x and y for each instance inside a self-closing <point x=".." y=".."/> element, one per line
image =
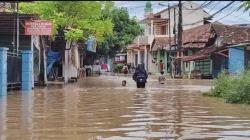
<point x="154" y="45"/>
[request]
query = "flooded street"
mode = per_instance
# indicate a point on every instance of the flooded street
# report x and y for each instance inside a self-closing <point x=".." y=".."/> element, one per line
<point x="99" y="108"/>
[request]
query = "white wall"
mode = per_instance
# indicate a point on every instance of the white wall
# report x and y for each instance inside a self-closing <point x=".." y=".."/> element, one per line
<point x="188" y="16"/>
<point x="68" y="68"/>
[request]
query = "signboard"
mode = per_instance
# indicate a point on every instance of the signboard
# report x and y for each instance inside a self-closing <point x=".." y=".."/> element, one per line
<point x="91" y="45"/>
<point x="38" y="27"/>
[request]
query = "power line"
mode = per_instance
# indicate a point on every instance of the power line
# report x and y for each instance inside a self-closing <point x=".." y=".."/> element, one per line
<point x="211" y="15"/>
<point x="215" y="5"/>
<point x="200" y="7"/>
<point x="222" y="9"/>
<point x="196" y="9"/>
<point x="236" y="9"/>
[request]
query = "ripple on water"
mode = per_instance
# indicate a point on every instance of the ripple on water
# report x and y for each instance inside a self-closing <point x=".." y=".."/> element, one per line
<point x="99" y="108"/>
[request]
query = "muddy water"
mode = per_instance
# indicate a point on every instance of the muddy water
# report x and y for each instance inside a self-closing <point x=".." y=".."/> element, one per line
<point x="99" y="108"/>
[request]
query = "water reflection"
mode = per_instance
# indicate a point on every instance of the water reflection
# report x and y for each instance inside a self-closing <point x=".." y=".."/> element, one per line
<point x="101" y="109"/>
<point x="3" y="118"/>
<point x="27" y="114"/>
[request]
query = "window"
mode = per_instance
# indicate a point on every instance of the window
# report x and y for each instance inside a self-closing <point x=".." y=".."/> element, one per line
<point x="158" y="16"/>
<point x="163" y="30"/>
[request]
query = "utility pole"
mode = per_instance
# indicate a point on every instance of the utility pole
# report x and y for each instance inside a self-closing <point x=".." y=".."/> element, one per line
<point x="169" y="37"/>
<point x="174" y="30"/>
<point x="179" y="37"/>
<point x="173" y="60"/>
<point x="169" y="32"/>
<point x="17" y="28"/>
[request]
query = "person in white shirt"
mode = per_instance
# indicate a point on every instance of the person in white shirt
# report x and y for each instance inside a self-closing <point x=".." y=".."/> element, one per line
<point x="162" y="78"/>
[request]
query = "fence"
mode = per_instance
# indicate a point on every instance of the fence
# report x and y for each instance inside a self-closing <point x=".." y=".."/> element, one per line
<point x="14" y="70"/>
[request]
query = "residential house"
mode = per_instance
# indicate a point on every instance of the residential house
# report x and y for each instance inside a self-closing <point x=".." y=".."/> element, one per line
<point x="154" y="46"/>
<point x="220" y="47"/>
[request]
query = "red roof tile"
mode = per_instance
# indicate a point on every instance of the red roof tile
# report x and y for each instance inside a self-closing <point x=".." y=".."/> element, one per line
<point x="232" y="34"/>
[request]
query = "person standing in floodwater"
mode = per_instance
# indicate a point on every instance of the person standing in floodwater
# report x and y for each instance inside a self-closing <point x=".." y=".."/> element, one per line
<point x="140" y="76"/>
<point x="161" y="66"/>
<point x="125" y="69"/>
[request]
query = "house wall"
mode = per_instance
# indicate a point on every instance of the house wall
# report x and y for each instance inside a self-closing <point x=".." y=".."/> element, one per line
<point x="69" y="70"/>
<point x="219" y="63"/>
<point x="236" y="60"/>
<point x="188" y="16"/>
<point x="205" y="66"/>
<point x="189" y="65"/>
<point x="152" y="62"/>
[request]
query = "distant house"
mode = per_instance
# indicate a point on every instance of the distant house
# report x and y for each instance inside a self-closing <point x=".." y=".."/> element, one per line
<point x="219" y="47"/>
<point x="154" y="46"/>
<point x="120" y="58"/>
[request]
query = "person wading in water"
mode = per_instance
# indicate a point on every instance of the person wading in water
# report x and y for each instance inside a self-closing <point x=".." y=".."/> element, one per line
<point x="140" y="76"/>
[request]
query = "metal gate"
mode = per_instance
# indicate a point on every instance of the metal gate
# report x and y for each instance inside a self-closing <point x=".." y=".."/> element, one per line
<point x="14" y="70"/>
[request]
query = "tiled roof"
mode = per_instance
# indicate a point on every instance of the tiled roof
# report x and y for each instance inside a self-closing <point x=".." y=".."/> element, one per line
<point x="199" y="36"/>
<point x="232" y="34"/>
<point x="192" y="38"/>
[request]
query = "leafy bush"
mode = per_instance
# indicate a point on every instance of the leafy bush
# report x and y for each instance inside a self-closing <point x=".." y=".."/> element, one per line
<point x="240" y="90"/>
<point x="222" y="84"/>
<point x="234" y="89"/>
<point x="118" y="68"/>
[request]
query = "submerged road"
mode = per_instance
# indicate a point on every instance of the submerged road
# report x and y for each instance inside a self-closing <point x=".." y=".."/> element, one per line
<point x="99" y="108"/>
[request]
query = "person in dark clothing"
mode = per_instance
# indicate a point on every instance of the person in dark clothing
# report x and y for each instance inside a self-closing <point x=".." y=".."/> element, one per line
<point x="140" y="76"/>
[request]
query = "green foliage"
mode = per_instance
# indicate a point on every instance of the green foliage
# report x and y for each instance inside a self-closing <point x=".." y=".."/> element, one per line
<point x="245" y="6"/>
<point x="80" y="19"/>
<point x="234" y="89"/>
<point x="124" y="31"/>
<point x="74" y="34"/>
<point x="240" y="90"/>
<point x="118" y="67"/>
<point x="222" y="84"/>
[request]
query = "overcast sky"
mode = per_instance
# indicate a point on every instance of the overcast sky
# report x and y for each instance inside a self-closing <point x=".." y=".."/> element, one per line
<point x="136" y="8"/>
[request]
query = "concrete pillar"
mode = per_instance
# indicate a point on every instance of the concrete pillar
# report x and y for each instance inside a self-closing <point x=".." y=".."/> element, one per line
<point x="165" y="61"/>
<point x="133" y="57"/>
<point x="152" y="27"/>
<point x="146" y="58"/>
<point x="158" y="59"/>
<point x="3" y="71"/>
<point x="139" y="57"/>
<point x="32" y="50"/>
<point x="27" y="70"/>
<point x="150" y="61"/>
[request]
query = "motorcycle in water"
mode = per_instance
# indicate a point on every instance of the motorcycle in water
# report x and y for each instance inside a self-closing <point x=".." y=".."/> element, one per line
<point x="140" y="76"/>
<point x="141" y="81"/>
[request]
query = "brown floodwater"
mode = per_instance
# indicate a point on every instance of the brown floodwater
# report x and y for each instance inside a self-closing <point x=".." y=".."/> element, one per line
<point x="99" y="108"/>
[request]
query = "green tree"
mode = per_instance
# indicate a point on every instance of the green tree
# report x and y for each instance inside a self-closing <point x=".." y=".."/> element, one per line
<point x="79" y="19"/>
<point x="125" y="29"/>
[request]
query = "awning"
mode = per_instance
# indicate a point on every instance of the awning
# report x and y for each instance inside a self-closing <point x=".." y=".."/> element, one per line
<point x="194" y="57"/>
<point x="203" y="54"/>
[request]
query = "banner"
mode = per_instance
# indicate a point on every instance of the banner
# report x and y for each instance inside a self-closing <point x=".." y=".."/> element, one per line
<point x="38" y="27"/>
<point x="91" y="45"/>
